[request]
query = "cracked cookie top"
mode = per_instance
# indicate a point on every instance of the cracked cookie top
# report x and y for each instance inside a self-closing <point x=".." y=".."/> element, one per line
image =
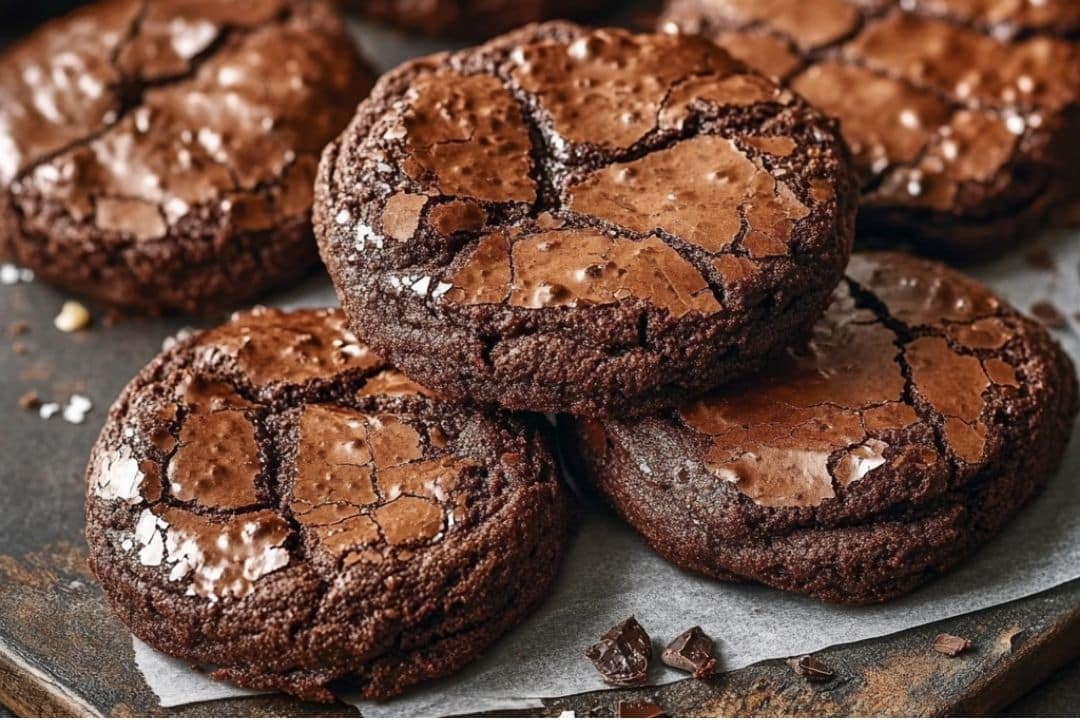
<point x="139" y="118"/>
<point x="907" y="388"/>
<point x="558" y="167"/>
<point x="280" y="441"/>
<point x="938" y="98"/>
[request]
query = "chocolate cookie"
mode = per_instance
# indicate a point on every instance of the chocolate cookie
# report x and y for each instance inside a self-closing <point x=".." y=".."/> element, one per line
<point x="272" y="500"/>
<point x="583" y="221"/>
<point x="161" y="155"/>
<point x="923" y="414"/>
<point x="471" y="19"/>
<point x="962" y="114"/>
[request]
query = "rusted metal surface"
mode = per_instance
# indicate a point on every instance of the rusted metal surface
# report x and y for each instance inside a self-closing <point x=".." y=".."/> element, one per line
<point x="63" y="653"/>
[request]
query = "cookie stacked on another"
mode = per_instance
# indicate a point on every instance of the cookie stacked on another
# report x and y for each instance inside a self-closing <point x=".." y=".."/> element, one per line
<point x="587" y="221"/>
<point x="962" y="115"/>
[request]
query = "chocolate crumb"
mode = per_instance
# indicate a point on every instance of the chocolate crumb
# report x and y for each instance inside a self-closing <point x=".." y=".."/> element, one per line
<point x="693" y="652"/>
<point x="810" y="668"/>
<point x="1046" y="313"/>
<point x="622" y="655"/>
<point x="20" y="348"/>
<point x="1041" y="259"/>
<point x="642" y="708"/>
<point x="19" y="327"/>
<point x="951" y="645"/>
<point x="29" y="401"/>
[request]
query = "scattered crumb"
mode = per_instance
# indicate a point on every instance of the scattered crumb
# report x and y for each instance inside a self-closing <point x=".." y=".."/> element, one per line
<point x="1041" y="259"/>
<point x="77" y="408"/>
<point x="642" y="708"/>
<point x="29" y="401"/>
<point x="951" y="645"/>
<point x="11" y="274"/>
<point x="19" y="327"/>
<point x="73" y="316"/>
<point x="47" y="410"/>
<point x="810" y="668"/>
<point x="20" y="348"/>
<point x="1046" y="313"/>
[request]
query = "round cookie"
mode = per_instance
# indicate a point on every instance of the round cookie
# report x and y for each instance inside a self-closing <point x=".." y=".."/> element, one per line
<point x="962" y="114"/>
<point x="161" y="155"/>
<point x="471" y="19"/>
<point x="923" y="414"/>
<point x="272" y="500"/>
<point x="583" y="221"/>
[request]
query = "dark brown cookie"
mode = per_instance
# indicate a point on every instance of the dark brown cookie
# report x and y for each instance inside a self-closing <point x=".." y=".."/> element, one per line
<point x="471" y="19"/>
<point x="583" y="221"/>
<point x="923" y="414"/>
<point x="962" y="114"/>
<point x="161" y="155"/>
<point x="272" y="500"/>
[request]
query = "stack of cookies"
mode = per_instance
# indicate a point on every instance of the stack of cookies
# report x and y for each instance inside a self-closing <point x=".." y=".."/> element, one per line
<point x="638" y="233"/>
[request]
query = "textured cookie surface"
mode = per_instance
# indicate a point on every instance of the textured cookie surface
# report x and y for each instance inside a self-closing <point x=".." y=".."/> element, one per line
<point x="471" y="19"/>
<point x="587" y="221"/>
<point x="921" y="416"/>
<point x="161" y="155"/>
<point x="962" y="114"/>
<point x="273" y="501"/>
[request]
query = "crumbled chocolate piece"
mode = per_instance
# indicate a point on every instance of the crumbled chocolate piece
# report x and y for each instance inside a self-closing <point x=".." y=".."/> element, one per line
<point x="640" y="708"/>
<point x="1046" y="313"/>
<point x="29" y="401"/>
<point x="693" y="652"/>
<point x="622" y="656"/>
<point x="951" y="645"/>
<point x="1041" y="259"/>
<point x="810" y="668"/>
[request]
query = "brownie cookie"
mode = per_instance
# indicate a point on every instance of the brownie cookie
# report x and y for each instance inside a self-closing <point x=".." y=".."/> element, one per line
<point x="161" y="155"/>
<point x="583" y="221"/>
<point x="272" y="500"/>
<point x="922" y="415"/>
<point x="471" y="19"/>
<point x="962" y="114"/>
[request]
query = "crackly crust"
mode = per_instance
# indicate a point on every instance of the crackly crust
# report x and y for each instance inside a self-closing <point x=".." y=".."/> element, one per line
<point x="402" y="220"/>
<point x="160" y="156"/>
<point x="961" y="115"/>
<point x="391" y="535"/>
<point x="948" y="446"/>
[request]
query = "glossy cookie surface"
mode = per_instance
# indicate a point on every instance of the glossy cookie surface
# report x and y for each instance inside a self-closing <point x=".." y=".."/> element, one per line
<point x="273" y="501"/>
<point x="583" y="221"/>
<point x="161" y="155"/>
<point x="920" y="417"/>
<point x="962" y="114"/>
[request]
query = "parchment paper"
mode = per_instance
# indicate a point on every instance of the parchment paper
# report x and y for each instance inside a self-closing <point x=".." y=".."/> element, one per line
<point x="611" y="574"/>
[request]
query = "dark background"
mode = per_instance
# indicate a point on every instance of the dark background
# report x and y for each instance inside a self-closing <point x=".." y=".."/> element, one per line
<point x="1060" y="695"/>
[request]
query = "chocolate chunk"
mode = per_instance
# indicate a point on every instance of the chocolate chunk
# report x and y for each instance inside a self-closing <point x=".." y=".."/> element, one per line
<point x="1048" y="314"/>
<point x="622" y="656"/>
<point x="951" y="645"/>
<point x="693" y="651"/>
<point x="810" y="668"/>
<point x="29" y="401"/>
<point x="638" y="708"/>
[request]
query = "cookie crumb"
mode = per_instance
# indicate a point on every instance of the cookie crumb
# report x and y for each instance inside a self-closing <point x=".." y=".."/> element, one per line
<point x="29" y="401"/>
<point x="19" y="327"/>
<point x="1041" y="259"/>
<point x="640" y="708"/>
<point x="20" y="348"/>
<point x="622" y="655"/>
<point x="1046" y="313"/>
<point x="950" y="645"/>
<point x="693" y="651"/>
<point x="810" y="668"/>
<point x="73" y="316"/>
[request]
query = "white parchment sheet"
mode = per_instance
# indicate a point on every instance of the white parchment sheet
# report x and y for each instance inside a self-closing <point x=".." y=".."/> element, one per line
<point x="610" y="574"/>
